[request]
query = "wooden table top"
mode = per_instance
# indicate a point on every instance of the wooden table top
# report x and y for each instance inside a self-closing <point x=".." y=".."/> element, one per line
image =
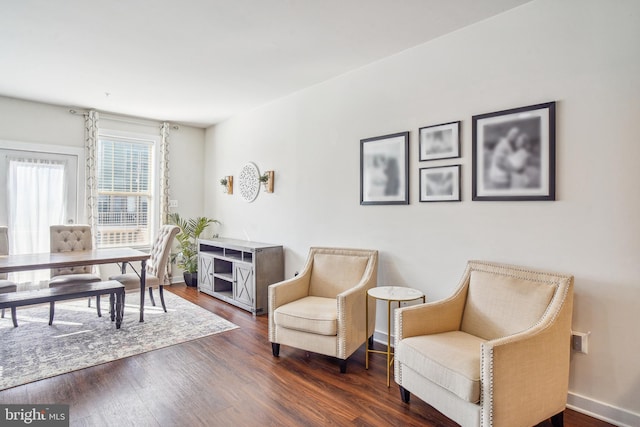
<point x="9" y="263"/>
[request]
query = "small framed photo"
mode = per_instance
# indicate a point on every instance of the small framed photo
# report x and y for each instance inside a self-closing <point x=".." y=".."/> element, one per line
<point x="514" y="154"/>
<point x="440" y="141"/>
<point x="440" y="184"/>
<point x="384" y="170"/>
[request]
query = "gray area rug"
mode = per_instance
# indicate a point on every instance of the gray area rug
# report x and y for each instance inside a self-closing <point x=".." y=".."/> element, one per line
<point x="79" y="338"/>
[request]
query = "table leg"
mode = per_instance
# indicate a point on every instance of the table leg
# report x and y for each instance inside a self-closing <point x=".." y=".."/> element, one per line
<point x="366" y="328"/>
<point x="388" y="340"/>
<point x="143" y="280"/>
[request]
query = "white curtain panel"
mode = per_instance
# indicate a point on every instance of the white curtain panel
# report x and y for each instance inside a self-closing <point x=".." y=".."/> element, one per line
<point x="37" y="199"/>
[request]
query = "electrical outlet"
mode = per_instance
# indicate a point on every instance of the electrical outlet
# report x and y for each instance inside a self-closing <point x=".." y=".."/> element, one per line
<point x="173" y="203"/>
<point x="580" y="341"/>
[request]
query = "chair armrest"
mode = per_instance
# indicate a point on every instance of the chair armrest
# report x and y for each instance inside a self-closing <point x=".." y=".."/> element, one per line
<point x="286" y="291"/>
<point x="430" y="318"/>
<point x="533" y="365"/>
<point x="352" y="322"/>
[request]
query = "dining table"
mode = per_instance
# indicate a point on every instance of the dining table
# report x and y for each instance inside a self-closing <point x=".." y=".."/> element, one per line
<point x="38" y="261"/>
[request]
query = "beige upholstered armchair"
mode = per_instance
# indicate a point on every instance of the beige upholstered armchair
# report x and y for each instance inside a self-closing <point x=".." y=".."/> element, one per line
<point x="496" y="353"/>
<point x="322" y="310"/>
<point x="156" y="266"/>
<point x="5" y="285"/>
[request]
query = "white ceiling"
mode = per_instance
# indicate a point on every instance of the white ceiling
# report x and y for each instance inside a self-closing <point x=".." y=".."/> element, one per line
<point x="200" y="61"/>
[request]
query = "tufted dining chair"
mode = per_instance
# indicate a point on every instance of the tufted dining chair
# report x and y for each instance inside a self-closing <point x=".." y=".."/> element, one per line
<point x="156" y="266"/>
<point x="495" y="353"/>
<point x="71" y="238"/>
<point x="6" y="286"/>
<point x="323" y="308"/>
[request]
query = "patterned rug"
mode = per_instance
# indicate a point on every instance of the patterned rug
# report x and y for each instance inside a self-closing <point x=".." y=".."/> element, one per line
<point x="79" y="338"/>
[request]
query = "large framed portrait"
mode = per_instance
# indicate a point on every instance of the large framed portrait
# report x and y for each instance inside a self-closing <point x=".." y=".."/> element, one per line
<point x="384" y="170"/>
<point x="440" y="141"/>
<point x="440" y="184"/>
<point x="514" y="154"/>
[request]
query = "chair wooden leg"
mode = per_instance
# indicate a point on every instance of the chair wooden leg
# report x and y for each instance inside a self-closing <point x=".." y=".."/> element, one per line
<point x="405" y="394"/>
<point x="275" y="349"/>
<point x="98" y="305"/>
<point x="164" y="307"/>
<point x="343" y="366"/>
<point x="51" y="311"/>
<point x="14" y="317"/>
<point x="153" y="302"/>
<point x="558" y="420"/>
<point x="2" y="316"/>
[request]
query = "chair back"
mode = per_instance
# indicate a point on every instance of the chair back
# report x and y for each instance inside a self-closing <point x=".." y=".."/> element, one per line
<point x="504" y="300"/>
<point x="4" y="245"/>
<point x="160" y="250"/>
<point x="335" y="270"/>
<point x="70" y="238"/>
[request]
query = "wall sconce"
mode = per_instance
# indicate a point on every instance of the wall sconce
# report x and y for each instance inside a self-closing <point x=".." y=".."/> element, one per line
<point x="267" y="180"/>
<point x="227" y="183"/>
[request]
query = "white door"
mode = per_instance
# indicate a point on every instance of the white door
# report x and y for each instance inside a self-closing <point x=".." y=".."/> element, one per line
<point x="37" y="189"/>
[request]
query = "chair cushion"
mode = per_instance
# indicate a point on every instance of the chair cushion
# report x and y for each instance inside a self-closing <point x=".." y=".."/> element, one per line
<point x="499" y="305"/>
<point x="70" y="279"/>
<point x="7" y="286"/>
<point x="316" y="315"/>
<point x="450" y="360"/>
<point x="132" y="281"/>
<point x="332" y="274"/>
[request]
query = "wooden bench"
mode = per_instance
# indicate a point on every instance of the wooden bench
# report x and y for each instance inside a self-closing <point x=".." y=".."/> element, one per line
<point x="114" y="288"/>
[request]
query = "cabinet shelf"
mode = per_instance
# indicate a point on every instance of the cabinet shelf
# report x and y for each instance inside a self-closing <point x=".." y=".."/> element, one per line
<point x="239" y="272"/>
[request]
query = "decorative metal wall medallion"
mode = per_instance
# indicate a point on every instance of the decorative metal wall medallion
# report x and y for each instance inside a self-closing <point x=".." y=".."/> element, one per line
<point x="249" y="182"/>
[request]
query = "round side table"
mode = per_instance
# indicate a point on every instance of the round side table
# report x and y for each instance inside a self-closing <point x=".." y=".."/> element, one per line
<point x="390" y="294"/>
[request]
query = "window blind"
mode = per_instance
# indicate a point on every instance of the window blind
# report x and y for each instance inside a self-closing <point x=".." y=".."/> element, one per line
<point x="125" y="192"/>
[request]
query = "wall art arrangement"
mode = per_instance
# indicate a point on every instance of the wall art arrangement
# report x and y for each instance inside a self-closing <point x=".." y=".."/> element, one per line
<point x="514" y="154"/>
<point x="384" y="170"/>
<point x="441" y="183"/>
<point x="513" y="158"/>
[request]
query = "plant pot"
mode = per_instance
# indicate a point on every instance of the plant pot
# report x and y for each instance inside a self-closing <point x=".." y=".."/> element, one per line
<point x="190" y="279"/>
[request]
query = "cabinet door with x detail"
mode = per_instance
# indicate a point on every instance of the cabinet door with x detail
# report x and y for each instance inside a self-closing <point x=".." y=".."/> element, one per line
<point x="243" y="289"/>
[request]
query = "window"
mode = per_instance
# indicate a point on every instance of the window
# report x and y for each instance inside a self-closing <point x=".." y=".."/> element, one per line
<point x="128" y="206"/>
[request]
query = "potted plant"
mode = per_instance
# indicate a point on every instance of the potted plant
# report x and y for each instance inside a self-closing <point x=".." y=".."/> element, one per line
<point x="187" y="256"/>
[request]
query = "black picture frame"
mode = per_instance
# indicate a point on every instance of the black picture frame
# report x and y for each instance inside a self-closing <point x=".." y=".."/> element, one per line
<point x="440" y="184"/>
<point x="439" y="141"/>
<point x="384" y="170"/>
<point x="514" y="154"/>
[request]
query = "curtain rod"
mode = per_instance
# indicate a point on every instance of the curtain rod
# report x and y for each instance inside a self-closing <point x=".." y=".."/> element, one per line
<point x="125" y="119"/>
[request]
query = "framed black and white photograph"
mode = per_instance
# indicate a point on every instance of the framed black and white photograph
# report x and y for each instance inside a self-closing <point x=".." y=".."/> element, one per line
<point x="440" y="184"/>
<point x="440" y="141"/>
<point x="384" y="170"/>
<point x="514" y="154"/>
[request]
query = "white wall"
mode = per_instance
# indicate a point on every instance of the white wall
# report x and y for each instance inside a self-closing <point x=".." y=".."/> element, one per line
<point x="33" y="122"/>
<point x="583" y="54"/>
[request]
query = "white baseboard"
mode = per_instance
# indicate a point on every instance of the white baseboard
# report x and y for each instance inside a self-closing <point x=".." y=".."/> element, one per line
<point x="603" y="411"/>
<point x="176" y="279"/>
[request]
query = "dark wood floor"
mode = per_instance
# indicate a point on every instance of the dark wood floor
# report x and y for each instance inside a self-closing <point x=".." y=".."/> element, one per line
<point x="231" y="379"/>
